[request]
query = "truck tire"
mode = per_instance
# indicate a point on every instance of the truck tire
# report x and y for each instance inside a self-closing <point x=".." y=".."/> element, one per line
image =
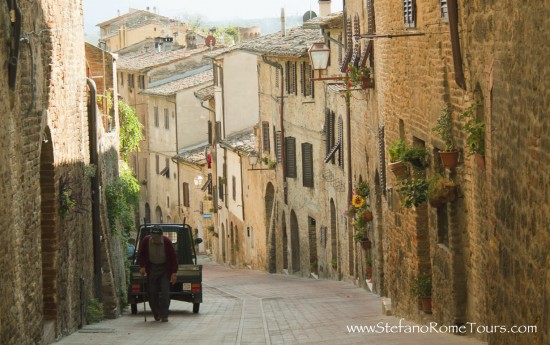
<point x="196" y="307"/>
<point x="133" y="306"/>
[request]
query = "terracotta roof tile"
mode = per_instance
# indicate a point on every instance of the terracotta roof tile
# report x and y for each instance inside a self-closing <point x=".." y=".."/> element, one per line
<point x="295" y="43"/>
<point x="144" y="61"/>
<point x="333" y="21"/>
<point x="206" y="93"/>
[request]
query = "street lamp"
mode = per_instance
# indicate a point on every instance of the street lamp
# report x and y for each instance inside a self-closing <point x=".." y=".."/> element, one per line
<point x="319" y="54"/>
<point x="253" y="157"/>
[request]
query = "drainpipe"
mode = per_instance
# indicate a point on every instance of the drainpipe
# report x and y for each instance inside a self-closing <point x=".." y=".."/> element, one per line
<point x="281" y="114"/>
<point x="177" y="152"/>
<point x="94" y="159"/>
<point x="455" y="43"/>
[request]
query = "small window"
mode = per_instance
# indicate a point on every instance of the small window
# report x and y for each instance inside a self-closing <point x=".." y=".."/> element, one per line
<point x="166" y="119"/>
<point x="157" y="164"/>
<point x="122" y="78"/>
<point x="156" y="116"/>
<point x="168" y="201"/>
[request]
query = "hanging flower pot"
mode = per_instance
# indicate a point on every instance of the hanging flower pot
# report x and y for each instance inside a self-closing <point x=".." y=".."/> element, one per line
<point x="366" y="243"/>
<point x="367" y="215"/>
<point x="480" y="161"/>
<point x="449" y="159"/>
<point x="398" y="168"/>
<point x="367" y="84"/>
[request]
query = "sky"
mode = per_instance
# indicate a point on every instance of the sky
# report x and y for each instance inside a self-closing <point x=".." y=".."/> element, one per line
<point x="97" y="11"/>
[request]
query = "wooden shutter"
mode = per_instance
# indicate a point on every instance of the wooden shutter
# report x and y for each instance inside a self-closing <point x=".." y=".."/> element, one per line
<point x="307" y="164"/>
<point x="303" y="78"/>
<point x="349" y="47"/>
<point x="311" y="81"/>
<point x="341" y="141"/>
<point x="278" y="145"/>
<point x="287" y="76"/>
<point x="186" y="194"/>
<point x="370" y="17"/>
<point x="234" y="187"/>
<point x="220" y="187"/>
<point x="290" y="157"/>
<point x="328" y="145"/>
<point x="295" y="78"/>
<point x="218" y="131"/>
<point x="382" y="157"/>
<point x="215" y="197"/>
<point x="356" y="55"/>
<point x="215" y="74"/>
<point x="265" y="136"/>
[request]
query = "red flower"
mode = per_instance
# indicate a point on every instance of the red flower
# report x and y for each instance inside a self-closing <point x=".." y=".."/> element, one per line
<point x="350" y="84"/>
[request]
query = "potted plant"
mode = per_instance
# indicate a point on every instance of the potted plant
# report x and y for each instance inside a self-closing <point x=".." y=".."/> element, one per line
<point x="359" y="76"/>
<point x="415" y="156"/>
<point x="421" y="287"/>
<point x="396" y="165"/>
<point x="476" y="135"/>
<point x="441" y="190"/>
<point x="365" y="243"/>
<point x="413" y="192"/>
<point x="449" y="156"/>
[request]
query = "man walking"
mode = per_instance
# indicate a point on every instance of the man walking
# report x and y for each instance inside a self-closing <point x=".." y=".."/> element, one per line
<point x="158" y="260"/>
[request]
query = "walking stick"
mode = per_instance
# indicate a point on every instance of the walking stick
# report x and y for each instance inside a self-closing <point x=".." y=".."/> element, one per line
<point x="144" y="304"/>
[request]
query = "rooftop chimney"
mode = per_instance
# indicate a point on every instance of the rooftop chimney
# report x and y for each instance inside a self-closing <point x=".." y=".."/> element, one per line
<point x="324" y="8"/>
<point x="283" y="22"/>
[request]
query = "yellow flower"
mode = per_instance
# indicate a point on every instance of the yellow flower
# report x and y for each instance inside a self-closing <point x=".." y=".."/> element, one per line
<point x="357" y="201"/>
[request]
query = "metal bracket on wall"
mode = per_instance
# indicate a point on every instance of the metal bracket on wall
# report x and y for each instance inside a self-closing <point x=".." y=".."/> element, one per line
<point x="15" y="34"/>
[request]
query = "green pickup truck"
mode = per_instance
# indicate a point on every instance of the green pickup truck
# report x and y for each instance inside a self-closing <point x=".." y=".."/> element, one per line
<point x="188" y="287"/>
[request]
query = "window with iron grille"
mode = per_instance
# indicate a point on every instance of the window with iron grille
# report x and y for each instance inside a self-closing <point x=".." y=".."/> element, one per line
<point x="307" y="164"/>
<point x="265" y="137"/>
<point x="186" y="194"/>
<point x="409" y="13"/>
<point x="290" y="157"/>
<point x="166" y="119"/>
<point x="156" y="111"/>
<point x="141" y="82"/>
<point x="370" y="17"/>
<point x="444" y="10"/>
<point x="277" y="78"/>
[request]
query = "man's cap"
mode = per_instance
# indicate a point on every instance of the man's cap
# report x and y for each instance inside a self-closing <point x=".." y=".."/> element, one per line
<point x="156" y="232"/>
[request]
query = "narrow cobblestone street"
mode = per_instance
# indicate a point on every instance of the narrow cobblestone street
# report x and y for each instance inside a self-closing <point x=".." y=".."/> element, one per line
<point x="250" y="307"/>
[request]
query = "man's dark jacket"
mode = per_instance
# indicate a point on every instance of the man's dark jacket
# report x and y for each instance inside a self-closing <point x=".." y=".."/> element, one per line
<point x="171" y="258"/>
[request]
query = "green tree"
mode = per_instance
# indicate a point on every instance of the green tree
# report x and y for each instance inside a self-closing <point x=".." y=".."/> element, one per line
<point x="130" y="129"/>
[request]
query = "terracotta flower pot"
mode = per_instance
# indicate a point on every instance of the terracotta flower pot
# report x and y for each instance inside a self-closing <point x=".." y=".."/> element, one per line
<point x="367" y="215"/>
<point x="426" y="304"/>
<point x="367" y="84"/>
<point x="449" y="159"/>
<point x="366" y="244"/>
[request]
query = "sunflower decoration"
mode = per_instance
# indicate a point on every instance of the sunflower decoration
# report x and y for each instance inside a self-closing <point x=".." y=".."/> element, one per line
<point x="357" y="201"/>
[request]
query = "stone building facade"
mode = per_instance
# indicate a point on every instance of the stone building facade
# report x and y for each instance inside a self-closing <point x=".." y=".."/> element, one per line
<point x="47" y="270"/>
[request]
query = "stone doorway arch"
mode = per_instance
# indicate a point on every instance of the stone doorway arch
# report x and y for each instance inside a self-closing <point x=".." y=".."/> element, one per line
<point x="295" y="242"/>
<point x="158" y="215"/>
<point x="334" y="237"/>
<point x="271" y="242"/>
<point x="49" y="229"/>
<point x="147" y="213"/>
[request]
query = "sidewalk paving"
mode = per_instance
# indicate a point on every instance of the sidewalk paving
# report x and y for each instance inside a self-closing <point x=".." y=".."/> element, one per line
<point x="249" y="307"/>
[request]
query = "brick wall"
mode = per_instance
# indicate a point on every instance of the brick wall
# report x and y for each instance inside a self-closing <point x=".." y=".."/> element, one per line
<point x="47" y="255"/>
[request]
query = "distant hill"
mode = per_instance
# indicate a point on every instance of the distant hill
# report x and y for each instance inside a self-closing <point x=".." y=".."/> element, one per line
<point x="267" y="25"/>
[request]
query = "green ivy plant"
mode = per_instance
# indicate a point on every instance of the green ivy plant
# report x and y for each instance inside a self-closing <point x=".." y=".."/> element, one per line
<point x="66" y="202"/>
<point x="94" y="311"/>
<point x="475" y="129"/>
<point x="122" y="197"/>
<point x="396" y="150"/>
<point x="130" y="129"/>
<point x="422" y="285"/>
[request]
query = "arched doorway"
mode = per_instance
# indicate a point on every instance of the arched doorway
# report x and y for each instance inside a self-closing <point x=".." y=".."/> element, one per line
<point x="158" y="215"/>
<point x="49" y="230"/>
<point x="295" y="242"/>
<point x="271" y="242"/>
